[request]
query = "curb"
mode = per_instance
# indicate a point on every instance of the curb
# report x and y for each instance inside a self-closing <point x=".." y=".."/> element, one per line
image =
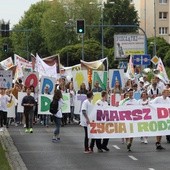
<point x="12" y="154"/>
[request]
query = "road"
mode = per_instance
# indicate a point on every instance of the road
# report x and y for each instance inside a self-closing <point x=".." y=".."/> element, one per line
<point x="39" y="153"/>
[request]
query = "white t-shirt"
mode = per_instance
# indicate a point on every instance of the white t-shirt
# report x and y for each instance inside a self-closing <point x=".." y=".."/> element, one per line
<point x="59" y="113"/>
<point x="85" y="106"/>
<point x="142" y="102"/>
<point x="160" y="100"/>
<point x="130" y="102"/>
<point x="4" y="99"/>
<point x="102" y="103"/>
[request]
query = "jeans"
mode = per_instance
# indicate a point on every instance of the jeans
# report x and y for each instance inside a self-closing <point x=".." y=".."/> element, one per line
<point x="46" y="120"/>
<point x="71" y="115"/>
<point x="58" y="125"/>
<point x="29" y="118"/>
<point x="86" y="139"/>
<point x="3" y="118"/>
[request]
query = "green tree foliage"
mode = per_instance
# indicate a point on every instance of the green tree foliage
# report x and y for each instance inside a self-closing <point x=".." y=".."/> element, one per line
<point x="162" y="47"/>
<point x="167" y="58"/>
<point x="72" y="54"/>
<point x="121" y="12"/>
<point x="27" y="34"/>
<point x="53" y="27"/>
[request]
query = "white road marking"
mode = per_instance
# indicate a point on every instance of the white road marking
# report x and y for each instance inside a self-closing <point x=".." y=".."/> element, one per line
<point x="115" y="146"/>
<point x="151" y="169"/>
<point x="132" y="157"/>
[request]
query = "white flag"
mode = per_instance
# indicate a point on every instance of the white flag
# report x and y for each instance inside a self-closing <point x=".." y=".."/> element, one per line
<point x="44" y="69"/>
<point x="162" y="72"/>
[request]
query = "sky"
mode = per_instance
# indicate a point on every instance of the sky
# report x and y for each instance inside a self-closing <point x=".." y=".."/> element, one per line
<point x="13" y="10"/>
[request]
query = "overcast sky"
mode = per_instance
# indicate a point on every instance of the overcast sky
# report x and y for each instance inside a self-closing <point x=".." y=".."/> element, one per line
<point x="12" y="10"/>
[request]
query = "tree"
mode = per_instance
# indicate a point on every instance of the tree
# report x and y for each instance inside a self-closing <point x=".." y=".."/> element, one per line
<point x="121" y="12"/>
<point x="162" y="47"/>
<point x="72" y="54"/>
<point x="27" y="34"/>
<point x="53" y="27"/>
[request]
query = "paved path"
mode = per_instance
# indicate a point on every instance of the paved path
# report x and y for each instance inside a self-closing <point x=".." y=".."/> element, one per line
<point x="39" y="153"/>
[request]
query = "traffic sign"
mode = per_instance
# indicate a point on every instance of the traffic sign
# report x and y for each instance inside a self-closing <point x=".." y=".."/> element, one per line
<point x="141" y="59"/>
<point x="122" y="65"/>
<point x="155" y="60"/>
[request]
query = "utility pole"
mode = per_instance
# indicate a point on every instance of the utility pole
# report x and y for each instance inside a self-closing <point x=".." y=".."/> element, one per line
<point x="154" y="52"/>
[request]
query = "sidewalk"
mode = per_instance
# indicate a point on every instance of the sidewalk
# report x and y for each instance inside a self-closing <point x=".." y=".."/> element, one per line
<point x="13" y="156"/>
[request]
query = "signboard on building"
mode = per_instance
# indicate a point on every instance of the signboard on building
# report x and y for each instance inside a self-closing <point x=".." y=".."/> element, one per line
<point x="128" y="44"/>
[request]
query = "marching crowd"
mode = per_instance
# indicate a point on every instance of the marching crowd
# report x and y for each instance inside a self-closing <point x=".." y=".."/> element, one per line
<point x="153" y="91"/>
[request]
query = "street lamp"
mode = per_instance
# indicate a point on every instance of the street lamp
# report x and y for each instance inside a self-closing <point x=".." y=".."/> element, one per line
<point x="101" y="5"/>
<point x="154" y="52"/>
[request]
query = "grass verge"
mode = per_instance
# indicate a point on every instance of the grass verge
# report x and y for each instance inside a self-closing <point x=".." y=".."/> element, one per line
<point x="4" y="165"/>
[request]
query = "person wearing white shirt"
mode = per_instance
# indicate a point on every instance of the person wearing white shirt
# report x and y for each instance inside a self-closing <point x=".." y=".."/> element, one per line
<point x="153" y="90"/>
<point x="130" y="101"/>
<point x="160" y="84"/>
<point x="4" y="100"/>
<point x="144" y="101"/>
<point x="84" y="119"/>
<point x="103" y="102"/>
<point x="164" y="99"/>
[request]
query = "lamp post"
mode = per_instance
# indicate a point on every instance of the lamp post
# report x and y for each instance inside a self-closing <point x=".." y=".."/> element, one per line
<point x="154" y="52"/>
<point x="102" y="21"/>
<point x="101" y="5"/>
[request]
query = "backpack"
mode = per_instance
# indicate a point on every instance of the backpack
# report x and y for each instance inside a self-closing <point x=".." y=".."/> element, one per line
<point x="54" y="107"/>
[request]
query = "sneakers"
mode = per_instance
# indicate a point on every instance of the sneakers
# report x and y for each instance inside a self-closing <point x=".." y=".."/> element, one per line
<point x="31" y="130"/>
<point x="26" y="130"/>
<point x="159" y="147"/>
<point x="106" y="149"/>
<point x="91" y="150"/>
<point x="87" y="151"/>
<point x="54" y="140"/>
<point x="145" y="141"/>
<point x="129" y="147"/>
<point x="1" y="129"/>
<point x="141" y="140"/>
<point x="100" y="150"/>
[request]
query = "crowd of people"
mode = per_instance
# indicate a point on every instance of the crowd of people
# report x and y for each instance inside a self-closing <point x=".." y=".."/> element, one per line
<point x="153" y="91"/>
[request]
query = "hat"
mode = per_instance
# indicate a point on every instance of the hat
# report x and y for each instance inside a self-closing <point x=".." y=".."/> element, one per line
<point x="130" y="89"/>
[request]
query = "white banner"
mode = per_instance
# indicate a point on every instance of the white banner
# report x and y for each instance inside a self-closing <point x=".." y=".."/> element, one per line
<point x="5" y="79"/>
<point x="7" y="63"/>
<point x="45" y="70"/>
<point x="45" y="100"/>
<point x="23" y="62"/>
<point x="11" y="108"/>
<point x="129" y="121"/>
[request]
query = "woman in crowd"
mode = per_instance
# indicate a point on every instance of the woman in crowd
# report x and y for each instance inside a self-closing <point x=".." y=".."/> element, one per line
<point x="72" y="100"/>
<point x="4" y="99"/>
<point x="58" y="116"/>
<point x="117" y="88"/>
<point x="83" y="89"/>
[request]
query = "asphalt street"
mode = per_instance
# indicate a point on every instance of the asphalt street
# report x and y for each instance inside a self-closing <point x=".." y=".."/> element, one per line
<point x="39" y="153"/>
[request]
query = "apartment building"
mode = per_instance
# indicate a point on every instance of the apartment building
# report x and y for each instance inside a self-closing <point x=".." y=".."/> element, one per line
<point x="154" y="17"/>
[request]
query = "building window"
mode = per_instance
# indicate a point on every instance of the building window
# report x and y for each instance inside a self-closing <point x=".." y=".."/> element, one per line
<point x="163" y="30"/>
<point x="163" y="1"/>
<point x="163" y="15"/>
